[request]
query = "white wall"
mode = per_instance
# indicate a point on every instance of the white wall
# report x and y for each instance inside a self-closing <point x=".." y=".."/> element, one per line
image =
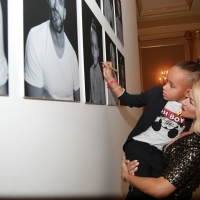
<point x="55" y="148"/>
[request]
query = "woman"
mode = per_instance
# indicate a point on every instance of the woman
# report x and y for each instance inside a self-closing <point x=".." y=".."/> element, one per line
<point x="181" y="159"/>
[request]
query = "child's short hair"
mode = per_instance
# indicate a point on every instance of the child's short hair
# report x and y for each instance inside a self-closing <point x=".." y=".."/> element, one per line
<point x="193" y="70"/>
<point x="189" y="66"/>
<point x="195" y="76"/>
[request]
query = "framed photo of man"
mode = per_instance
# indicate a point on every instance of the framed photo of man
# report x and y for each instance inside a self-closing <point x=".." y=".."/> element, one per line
<point x="118" y="19"/>
<point x="51" y="50"/>
<point x="111" y="56"/>
<point x="108" y="11"/>
<point x="3" y="48"/>
<point x="93" y="56"/>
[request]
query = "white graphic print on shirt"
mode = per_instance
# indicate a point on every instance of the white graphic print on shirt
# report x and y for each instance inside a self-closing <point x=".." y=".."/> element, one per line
<point x="168" y="125"/>
<point x="170" y="121"/>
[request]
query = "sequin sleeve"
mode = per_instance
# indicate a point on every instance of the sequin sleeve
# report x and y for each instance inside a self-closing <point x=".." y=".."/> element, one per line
<point x="182" y="162"/>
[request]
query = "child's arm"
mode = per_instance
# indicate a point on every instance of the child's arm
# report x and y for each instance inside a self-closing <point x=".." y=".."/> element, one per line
<point x="131" y="100"/>
<point x="112" y="84"/>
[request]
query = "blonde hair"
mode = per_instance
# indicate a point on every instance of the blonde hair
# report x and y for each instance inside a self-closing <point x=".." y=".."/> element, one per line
<point x="196" y="92"/>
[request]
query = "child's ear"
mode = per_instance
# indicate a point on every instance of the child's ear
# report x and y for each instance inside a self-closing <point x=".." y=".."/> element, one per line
<point x="187" y="92"/>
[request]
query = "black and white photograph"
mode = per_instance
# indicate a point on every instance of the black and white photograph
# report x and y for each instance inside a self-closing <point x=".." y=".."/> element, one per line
<point x="108" y="11"/>
<point x="98" y="3"/>
<point x="51" y="50"/>
<point x="111" y="56"/>
<point x="93" y="56"/>
<point x="3" y="48"/>
<point x="121" y="68"/>
<point x="118" y="19"/>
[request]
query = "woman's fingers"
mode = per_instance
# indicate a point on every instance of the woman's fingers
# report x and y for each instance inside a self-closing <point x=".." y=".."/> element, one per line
<point x="132" y="166"/>
<point x="127" y="161"/>
<point x="124" y="166"/>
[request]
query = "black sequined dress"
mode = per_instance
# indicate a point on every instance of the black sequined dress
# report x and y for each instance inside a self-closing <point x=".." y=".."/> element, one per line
<point x="181" y="162"/>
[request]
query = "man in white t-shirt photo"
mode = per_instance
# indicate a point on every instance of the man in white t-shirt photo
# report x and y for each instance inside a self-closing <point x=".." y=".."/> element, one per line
<point x="51" y="64"/>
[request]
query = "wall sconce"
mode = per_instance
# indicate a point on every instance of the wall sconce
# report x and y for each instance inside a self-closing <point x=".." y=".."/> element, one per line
<point x="163" y="78"/>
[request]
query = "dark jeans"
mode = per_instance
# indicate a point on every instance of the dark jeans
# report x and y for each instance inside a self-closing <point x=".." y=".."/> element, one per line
<point x="150" y="164"/>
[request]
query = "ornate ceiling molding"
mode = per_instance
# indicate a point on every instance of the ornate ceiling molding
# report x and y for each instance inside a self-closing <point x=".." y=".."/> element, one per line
<point x="154" y="7"/>
<point x="168" y="25"/>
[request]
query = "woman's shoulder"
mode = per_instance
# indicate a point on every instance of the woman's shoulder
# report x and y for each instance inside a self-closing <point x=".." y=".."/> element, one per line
<point x="194" y="135"/>
<point x="193" y="141"/>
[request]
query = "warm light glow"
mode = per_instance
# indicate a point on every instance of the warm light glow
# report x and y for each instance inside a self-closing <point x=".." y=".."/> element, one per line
<point x="163" y="78"/>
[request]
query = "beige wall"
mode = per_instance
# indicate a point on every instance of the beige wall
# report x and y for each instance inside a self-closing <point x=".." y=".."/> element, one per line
<point x="157" y="55"/>
<point x="65" y="149"/>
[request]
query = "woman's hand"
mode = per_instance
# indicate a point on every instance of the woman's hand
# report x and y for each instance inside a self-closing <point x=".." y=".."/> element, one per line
<point x="107" y="71"/>
<point x="132" y="166"/>
<point x="128" y="168"/>
<point x="124" y="172"/>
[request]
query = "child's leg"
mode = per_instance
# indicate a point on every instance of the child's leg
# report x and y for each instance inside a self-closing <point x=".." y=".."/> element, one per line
<point x="145" y="155"/>
<point x="143" y="170"/>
